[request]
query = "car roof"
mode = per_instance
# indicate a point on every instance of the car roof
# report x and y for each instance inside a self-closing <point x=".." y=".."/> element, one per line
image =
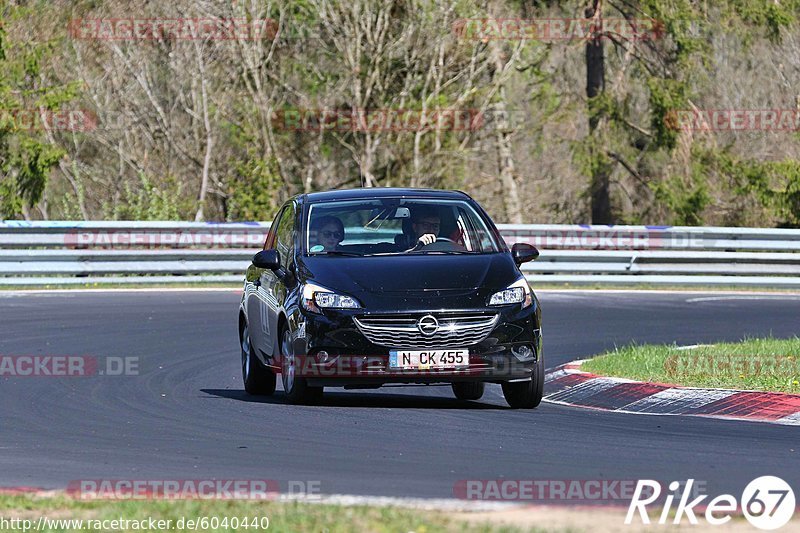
<point x="375" y="192"/>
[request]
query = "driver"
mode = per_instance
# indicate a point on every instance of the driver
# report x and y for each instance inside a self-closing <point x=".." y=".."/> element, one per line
<point x="425" y="221"/>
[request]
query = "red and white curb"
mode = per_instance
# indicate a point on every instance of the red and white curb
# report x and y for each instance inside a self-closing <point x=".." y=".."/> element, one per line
<point x="569" y="385"/>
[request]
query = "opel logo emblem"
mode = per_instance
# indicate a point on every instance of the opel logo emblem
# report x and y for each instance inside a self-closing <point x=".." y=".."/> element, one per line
<point x="428" y="325"/>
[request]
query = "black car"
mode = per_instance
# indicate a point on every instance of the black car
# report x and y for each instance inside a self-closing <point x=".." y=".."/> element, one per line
<point x="364" y="287"/>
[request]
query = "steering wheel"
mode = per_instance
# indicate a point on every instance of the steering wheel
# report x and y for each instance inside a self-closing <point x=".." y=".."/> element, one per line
<point x="443" y="244"/>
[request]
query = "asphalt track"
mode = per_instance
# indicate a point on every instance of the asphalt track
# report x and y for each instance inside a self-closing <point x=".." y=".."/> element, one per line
<point x="185" y="415"/>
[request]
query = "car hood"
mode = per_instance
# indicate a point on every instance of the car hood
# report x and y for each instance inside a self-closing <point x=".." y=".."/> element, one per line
<point x="423" y="280"/>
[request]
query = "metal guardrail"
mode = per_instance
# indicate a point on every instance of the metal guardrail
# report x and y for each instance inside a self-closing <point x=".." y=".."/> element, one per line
<point x="56" y="253"/>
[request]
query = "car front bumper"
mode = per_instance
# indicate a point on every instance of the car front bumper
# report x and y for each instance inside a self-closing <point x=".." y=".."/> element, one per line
<point x="332" y="351"/>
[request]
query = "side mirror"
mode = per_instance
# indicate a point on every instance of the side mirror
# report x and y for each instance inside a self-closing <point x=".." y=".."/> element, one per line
<point x="267" y="259"/>
<point x="524" y="252"/>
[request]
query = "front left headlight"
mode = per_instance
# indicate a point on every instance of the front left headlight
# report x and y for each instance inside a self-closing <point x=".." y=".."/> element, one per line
<point x="517" y="292"/>
<point x="316" y="298"/>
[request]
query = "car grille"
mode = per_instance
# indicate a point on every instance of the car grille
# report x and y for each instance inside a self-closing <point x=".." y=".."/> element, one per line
<point x="400" y="331"/>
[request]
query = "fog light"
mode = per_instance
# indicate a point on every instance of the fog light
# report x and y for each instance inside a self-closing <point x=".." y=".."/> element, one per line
<point x="523" y="353"/>
<point x="323" y="357"/>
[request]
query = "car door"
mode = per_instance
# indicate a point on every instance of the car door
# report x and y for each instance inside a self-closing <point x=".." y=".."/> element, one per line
<point x="272" y="288"/>
<point x="262" y="304"/>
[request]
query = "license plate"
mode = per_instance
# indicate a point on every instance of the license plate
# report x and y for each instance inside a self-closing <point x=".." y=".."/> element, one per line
<point x="424" y="359"/>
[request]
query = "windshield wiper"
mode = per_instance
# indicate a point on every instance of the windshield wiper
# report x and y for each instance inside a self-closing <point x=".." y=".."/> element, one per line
<point x="341" y="252"/>
<point x="443" y="252"/>
<point x="460" y="252"/>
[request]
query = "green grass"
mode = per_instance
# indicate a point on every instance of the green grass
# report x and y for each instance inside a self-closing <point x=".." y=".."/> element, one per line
<point x="283" y="516"/>
<point x="753" y="364"/>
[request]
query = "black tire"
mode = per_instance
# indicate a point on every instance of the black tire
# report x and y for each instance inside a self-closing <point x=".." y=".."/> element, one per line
<point x="469" y="390"/>
<point x="258" y="379"/>
<point x="296" y="388"/>
<point x="526" y="394"/>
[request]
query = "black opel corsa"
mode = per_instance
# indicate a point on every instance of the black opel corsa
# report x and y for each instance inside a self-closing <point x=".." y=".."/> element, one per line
<point x="364" y="287"/>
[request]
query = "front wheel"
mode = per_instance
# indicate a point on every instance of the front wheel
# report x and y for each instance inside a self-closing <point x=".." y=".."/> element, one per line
<point x="469" y="390"/>
<point x="296" y="387"/>
<point x="526" y="394"/>
<point x="258" y="380"/>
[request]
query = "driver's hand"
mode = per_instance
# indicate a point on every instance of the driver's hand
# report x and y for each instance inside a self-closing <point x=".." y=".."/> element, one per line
<point x="428" y="238"/>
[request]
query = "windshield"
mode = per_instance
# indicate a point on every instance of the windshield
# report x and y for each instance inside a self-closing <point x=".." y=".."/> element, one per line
<point x="396" y="226"/>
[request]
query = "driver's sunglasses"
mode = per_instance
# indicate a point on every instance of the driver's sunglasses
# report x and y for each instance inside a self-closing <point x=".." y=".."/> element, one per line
<point x="433" y="226"/>
<point x="332" y="234"/>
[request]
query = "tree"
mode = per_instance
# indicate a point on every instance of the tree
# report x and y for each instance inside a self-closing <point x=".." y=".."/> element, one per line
<point x="663" y="52"/>
<point x="28" y="103"/>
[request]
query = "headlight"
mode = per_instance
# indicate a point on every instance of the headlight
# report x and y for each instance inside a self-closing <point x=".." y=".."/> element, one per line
<point x="517" y="292"/>
<point x="316" y="298"/>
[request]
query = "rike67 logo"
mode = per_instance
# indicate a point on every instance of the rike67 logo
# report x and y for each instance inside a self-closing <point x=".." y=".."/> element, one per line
<point x="767" y="502"/>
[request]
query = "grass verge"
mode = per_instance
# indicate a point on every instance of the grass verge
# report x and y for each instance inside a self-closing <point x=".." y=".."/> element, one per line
<point x="278" y="516"/>
<point x="765" y="364"/>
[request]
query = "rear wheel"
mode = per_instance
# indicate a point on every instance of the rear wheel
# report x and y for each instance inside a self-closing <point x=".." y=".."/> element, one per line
<point x="469" y="390"/>
<point x="526" y="394"/>
<point x="296" y="387"/>
<point x="258" y="380"/>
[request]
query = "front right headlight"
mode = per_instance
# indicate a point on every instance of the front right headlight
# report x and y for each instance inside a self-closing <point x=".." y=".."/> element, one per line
<point x="517" y="292"/>
<point x="316" y="298"/>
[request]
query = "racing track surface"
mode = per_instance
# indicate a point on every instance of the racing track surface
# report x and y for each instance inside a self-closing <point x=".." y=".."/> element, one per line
<point x="186" y="417"/>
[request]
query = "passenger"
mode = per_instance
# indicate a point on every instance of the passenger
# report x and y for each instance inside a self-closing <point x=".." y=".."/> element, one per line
<point x="328" y="232"/>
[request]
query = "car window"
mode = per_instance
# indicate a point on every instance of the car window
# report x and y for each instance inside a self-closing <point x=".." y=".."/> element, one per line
<point x="270" y="241"/>
<point x="475" y="233"/>
<point x="465" y="235"/>
<point x="284" y="234"/>
<point x="394" y="225"/>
